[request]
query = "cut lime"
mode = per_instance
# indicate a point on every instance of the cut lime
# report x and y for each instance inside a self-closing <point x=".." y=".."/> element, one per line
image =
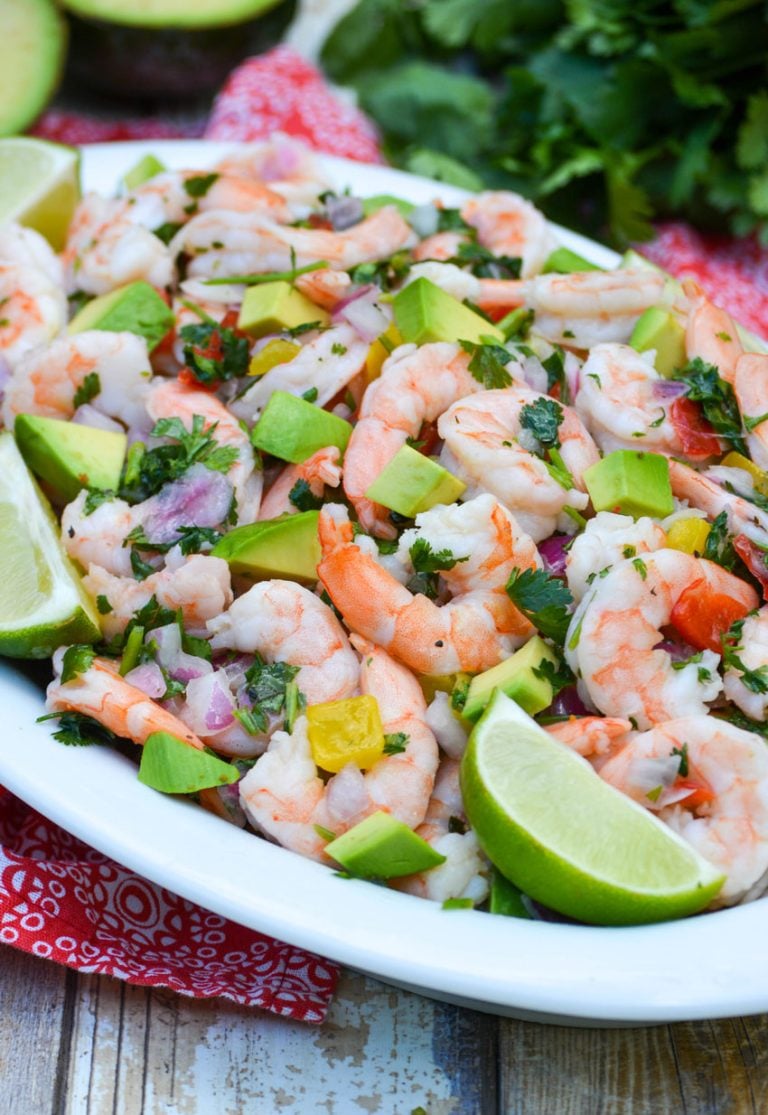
<point x="568" y="839"/>
<point x="42" y="603"/>
<point x="32" y="48"/>
<point x="39" y="185"/>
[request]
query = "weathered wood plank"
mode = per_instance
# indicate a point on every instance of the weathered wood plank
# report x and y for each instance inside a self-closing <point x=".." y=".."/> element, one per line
<point x="36" y="1006"/>
<point x="382" y="1050"/>
<point x="699" y="1068"/>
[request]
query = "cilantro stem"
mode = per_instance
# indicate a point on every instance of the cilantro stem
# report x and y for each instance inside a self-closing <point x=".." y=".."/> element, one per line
<point x="195" y="309"/>
<point x="270" y="276"/>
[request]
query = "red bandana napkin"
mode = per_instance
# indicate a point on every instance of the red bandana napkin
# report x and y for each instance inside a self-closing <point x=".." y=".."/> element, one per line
<point x="62" y="900"/>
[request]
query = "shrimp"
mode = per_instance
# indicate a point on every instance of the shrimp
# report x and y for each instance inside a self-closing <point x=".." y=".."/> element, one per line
<point x="319" y="471"/>
<point x="32" y="299"/>
<point x="415" y="386"/>
<point x="592" y="307"/>
<point x="483" y="444"/>
<point x="606" y="539"/>
<point x="97" y="537"/>
<point x="746" y="684"/>
<point x="710" y="334"/>
<point x="750" y="385"/>
<point x="100" y="692"/>
<point x="509" y="225"/>
<point x="464" y="873"/>
<point x="703" y="491"/>
<point x="199" y="587"/>
<point x="284" y="796"/>
<point x="105" y="249"/>
<point x="46" y="379"/>
<point x="594" y="737"/>
<point x="253" y="243"/>
<point x="315" y="367"/>
<point x="173" y="196"/>
<point x="170" y="399"/>
<point x="612" y="642"/>
<point x="714" y="794"/>
<point x="453" y="280"/>
<point x="324" y="287"/>
<point x="290" y="167"/>
<point x="471" y="632"/>
<point x="441" y="246"/>
<point x="284" y="622"/>
<point x="619" y="403"/>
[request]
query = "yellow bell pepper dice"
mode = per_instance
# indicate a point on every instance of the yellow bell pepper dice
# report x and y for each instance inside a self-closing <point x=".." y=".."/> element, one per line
<point x="380" y="350"/>
<point x="689" y="535"/>
<point x="348" y="731"/>
<point x="759" y="478"/>
<point x="267" y="358"/>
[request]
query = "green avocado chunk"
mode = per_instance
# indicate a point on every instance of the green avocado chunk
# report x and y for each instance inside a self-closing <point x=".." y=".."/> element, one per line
<point x="425" y="313"/>
<point x="284" y="547"/>
<point x="373" y="204"/>
<point x="563" y="260"/>
<point x="631" y="483"/>
<point x="135" y="308"/>
<point x="142" y="172"/>
<point x="411" y="483"/>
<point x="516" y="677"/>
<point x="69" y="456"/>
<point x="172" y="766"/>
<point x="382" y="847"/>
<point x="292" y="429"/>
<point x="659" y="329"/>
<point x="273" y="307"/>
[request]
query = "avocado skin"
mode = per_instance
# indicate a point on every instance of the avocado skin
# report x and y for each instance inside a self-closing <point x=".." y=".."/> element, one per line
<point x="143" y="63"/>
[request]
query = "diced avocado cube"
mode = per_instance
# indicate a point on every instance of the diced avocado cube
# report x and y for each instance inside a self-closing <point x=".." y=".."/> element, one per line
<point x="172" y="766"/>
<point x="506" y="899"/>
<point x="292" y="429"/>
<point x="411" y="483"/>
<point x="135" y="308"/>
<point x="142" y="171"/>
<point x="286" y="547"/>
<point x="563" y="260"/>
<point x="516" y="677"/>
<point x="346" y="731"/>
<point x="381" y="847"/>
<point x="69" y="456"/>
<point x="631" y="483"/>
<point x="425" y="313"/>
<point x="659" y="329"/>
<point x="272" y="307"/>
<point x="373" y="204"/>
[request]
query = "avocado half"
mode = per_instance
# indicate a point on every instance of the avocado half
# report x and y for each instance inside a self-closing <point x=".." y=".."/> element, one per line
<point x="168" y="48"/>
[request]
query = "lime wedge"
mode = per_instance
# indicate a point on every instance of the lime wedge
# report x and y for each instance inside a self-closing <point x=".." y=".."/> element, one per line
<point x="42" y="603"/>
<point x="39" y="185"/>
<point x="568" y="839"/>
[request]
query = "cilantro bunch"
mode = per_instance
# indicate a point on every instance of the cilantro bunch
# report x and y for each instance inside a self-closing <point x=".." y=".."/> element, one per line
<point x="606" y="113"/>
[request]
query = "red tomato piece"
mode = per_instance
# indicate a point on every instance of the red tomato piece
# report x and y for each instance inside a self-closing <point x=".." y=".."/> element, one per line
<point x="754" y="559"/>
<point x="695" y="432"/>
<point x="702" y="616"/>
<point x="187" y="378"/>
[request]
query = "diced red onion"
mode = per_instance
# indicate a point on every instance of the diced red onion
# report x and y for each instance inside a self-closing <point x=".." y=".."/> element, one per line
<point x="87" y="415"/>
<point x="365" y="315"/>
<point x="201" y="497"/>
<point x="572" y="369"/>
<point x="534" y="374"/>
<point x="678" y="652"/>
<point x="344" y="211"/>
<point x="354" y="294"/>
<point x="568" y="703"/>
<point x="554" y="554"/>
<point x="669" y="388"/>
<point x="210" y="704"/>
<point x="424" y="220"/>
<point x="148" y="678"/>
<point x="180" y="665"/>
<point x="5" y="371"/>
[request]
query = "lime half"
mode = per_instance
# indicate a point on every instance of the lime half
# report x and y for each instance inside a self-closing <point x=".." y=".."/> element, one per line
<point x="42" y="603"/>
<point x="39" y="185"/>
<point x="551" y="825"/>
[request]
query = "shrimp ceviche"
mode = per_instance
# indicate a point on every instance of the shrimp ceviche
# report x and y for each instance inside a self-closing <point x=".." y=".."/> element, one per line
<point x="326" y="462"/>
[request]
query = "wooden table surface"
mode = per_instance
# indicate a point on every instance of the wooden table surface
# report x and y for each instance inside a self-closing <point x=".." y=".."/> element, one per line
<point x="87" y="1045"/>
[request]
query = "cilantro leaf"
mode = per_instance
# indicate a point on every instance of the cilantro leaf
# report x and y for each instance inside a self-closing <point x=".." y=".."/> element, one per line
<point x="756" y="681"/>
<point x="395" y="743"/>
<point x="487" y="365"/>
<point x="200" y="184"/>
<point x="77" y="659"/>
<point x="543" y="418"/>
<point x="558" y="674"/>
<point x="95" y="497"/>
<point x="543" y="599"/>
<point x="302" y="496"/>
<point x="214" y="352"/>
<point x="88" y="389"/>
<point x="78" y="730"/>
<point x="483" y="263"/>
<point x="717" y="399"/>
<point x="145" y="472"/>
<point x="266" y="683"/>
<point x="426" y="560"/>
<point x="719" y="543"/>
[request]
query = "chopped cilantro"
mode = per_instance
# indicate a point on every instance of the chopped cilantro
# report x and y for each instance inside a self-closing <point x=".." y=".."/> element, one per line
<point x="543" y="599"/>
<point x="543" y="418"/>
<point x="95" y="497"/>
<point x="141" y="569"/>
<point x="756" y="681"/>
<point x="88" y="389"/>
<point x="483" y="263"/>
<point x="718" y="546"/>
<point x="167" y="231"/>
<point x="266" y="683"/>
<point x="252" y="720"/>
<point x="338" y="349"/>
<point x="385" y="273"/>
<point x="77" y="730"/>
<point x="146" y="472"/>
<point x="558" y="674"/>
<point x="682" y="753"/>
<point x="395" y="743"/>
<point x="487" y="365"/>
<point x="310" y="394"/>
<point x="554" y="366"/>
<point x="717" y="399"/>
<point x="451" y="220"/>
<point x="214" y="352"/>
<point x="641" y="567"/>
<point x="302" y="496"/>
<point x="200" y="184"/>
<point x="427" y="563"/>
<point x="77" y="659"/>
<point x="103" y="605"/>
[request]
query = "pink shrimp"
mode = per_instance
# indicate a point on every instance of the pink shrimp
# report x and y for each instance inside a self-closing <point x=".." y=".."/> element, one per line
<point x="319" y="471"/>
